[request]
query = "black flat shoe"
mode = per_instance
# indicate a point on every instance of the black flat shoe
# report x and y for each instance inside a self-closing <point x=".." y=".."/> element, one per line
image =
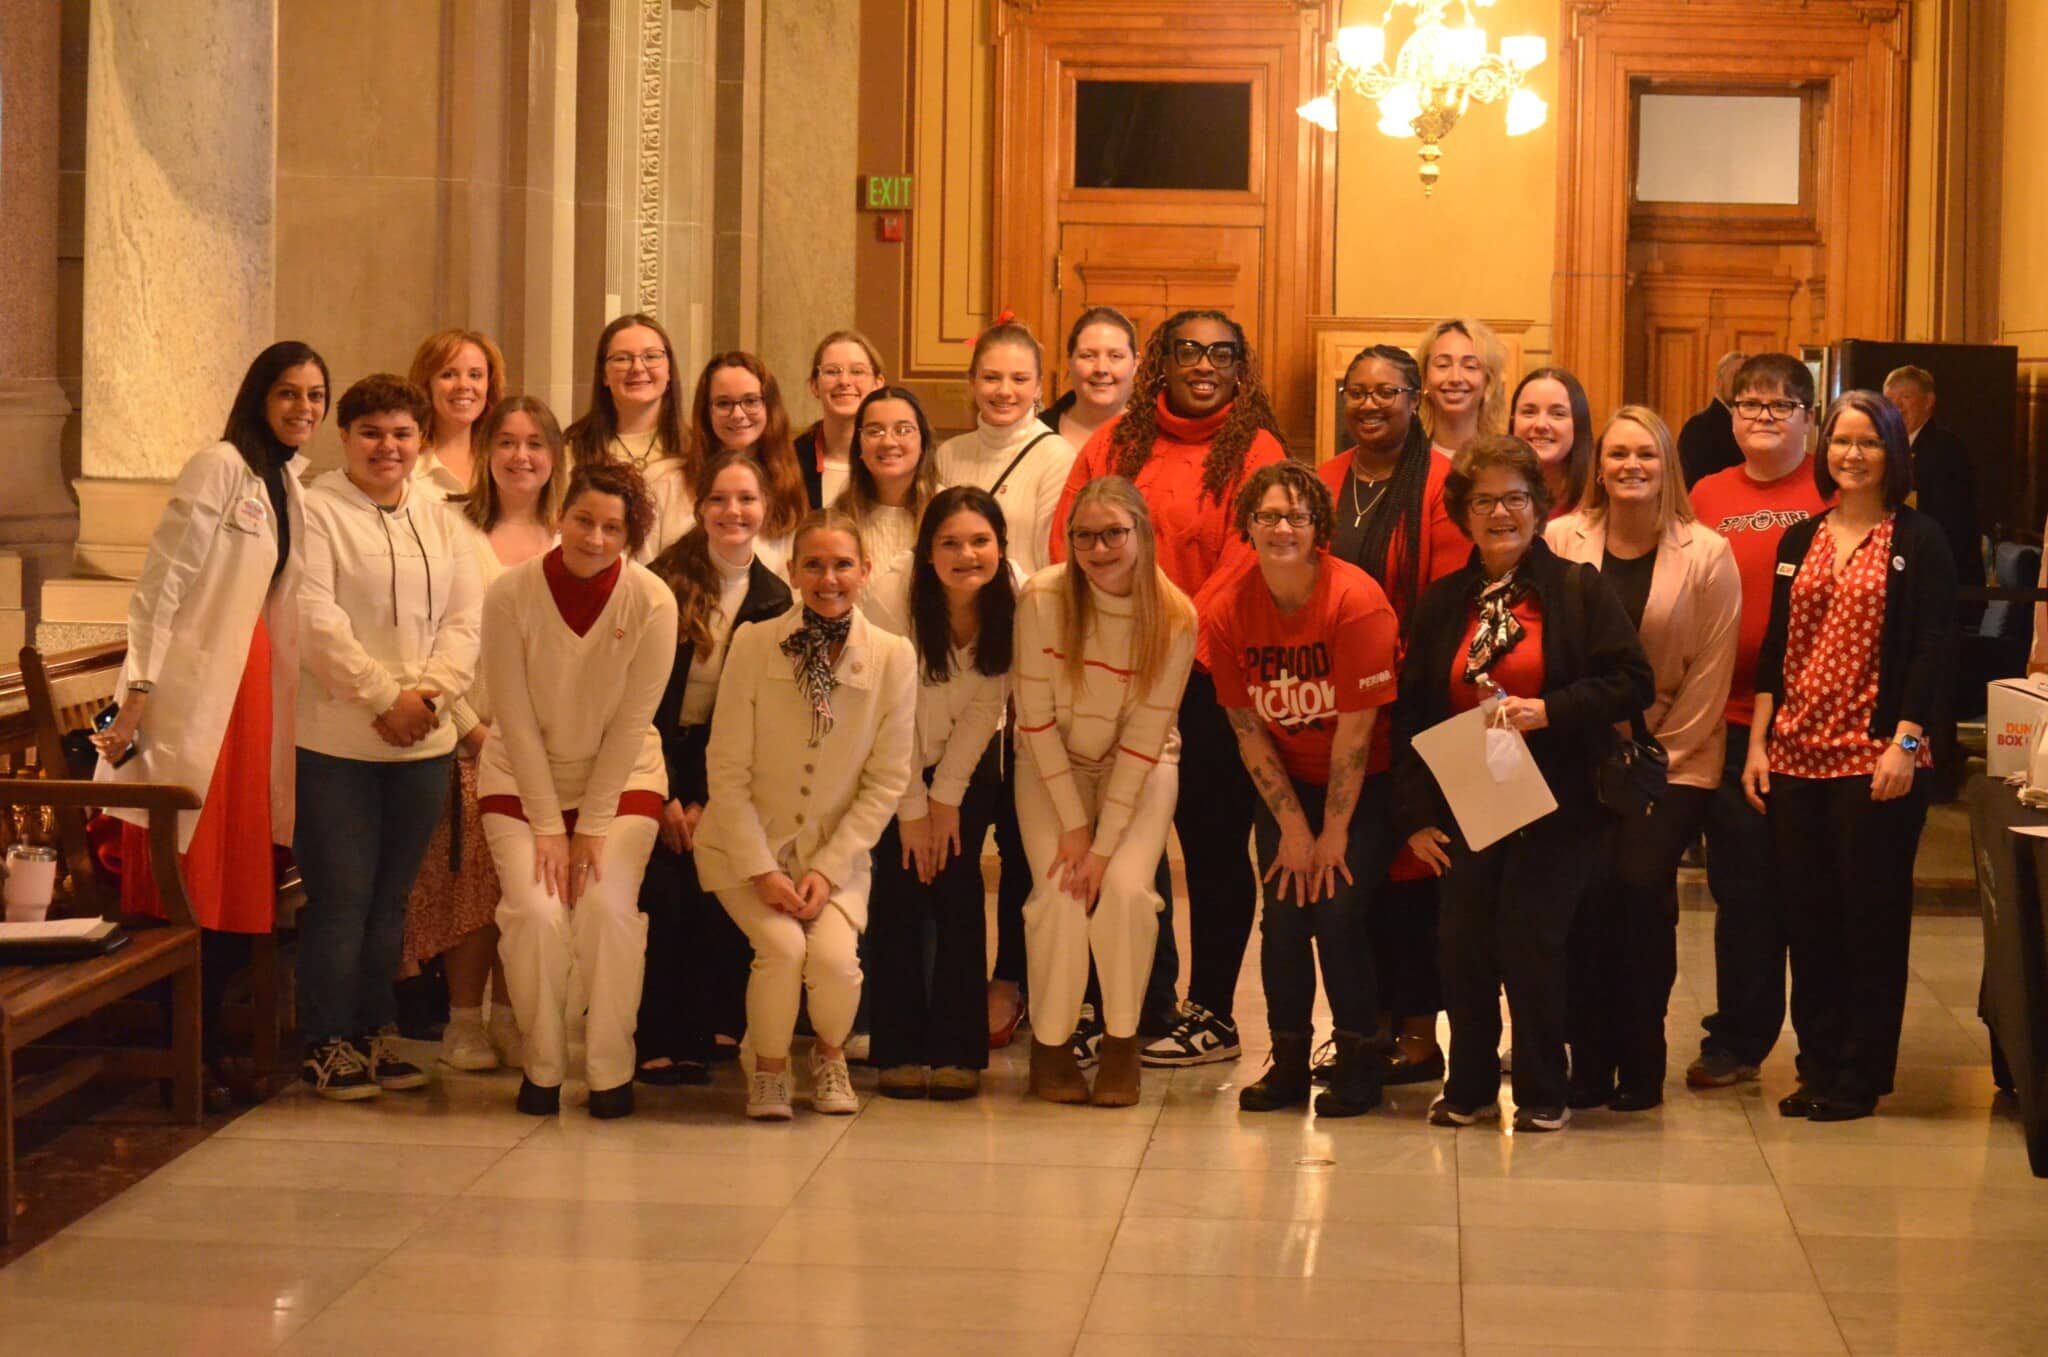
<point x="536" y="1101"/>
<point x="1800" y="1102"/>
<point x="1403" y="1071"/>
<point x="673" y="1074"/>
<point x="1579" y="1097"/>
<point x="1841" y="1109"/>
<point x="612" y="1103"/>
<point x="1636" y="1099"/>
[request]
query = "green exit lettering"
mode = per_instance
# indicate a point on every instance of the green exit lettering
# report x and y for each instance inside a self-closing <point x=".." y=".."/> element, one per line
<point x="885" y="193"/>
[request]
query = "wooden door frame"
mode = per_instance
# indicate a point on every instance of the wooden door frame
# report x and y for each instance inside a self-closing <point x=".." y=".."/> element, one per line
<point x="1035" y="37"/>
<point x="1856" y="48"/>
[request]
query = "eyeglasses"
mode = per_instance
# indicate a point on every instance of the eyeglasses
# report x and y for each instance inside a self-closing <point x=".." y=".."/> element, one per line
<point x="651" y="359"/>
<point x="1869" y="447"/>
<point x="834" y="373"/>
<point x="750" y="403"/>
<point x="1085" y="538"/>
<point x="875" y="433"/>
<point x="1751" y="408"/>
<point x="1273" y="518"/>
<point x="1378" y="395"/>
<point x="1514" y="501"/>
<point x="1222" y="356"/>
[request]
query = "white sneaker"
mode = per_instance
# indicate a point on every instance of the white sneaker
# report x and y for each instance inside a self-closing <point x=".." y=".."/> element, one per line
<point x="466" y="1046"/>
<point x="832" y="1086"/>
<point x="768" y="1095"/>
<point x="505" y="1037"/>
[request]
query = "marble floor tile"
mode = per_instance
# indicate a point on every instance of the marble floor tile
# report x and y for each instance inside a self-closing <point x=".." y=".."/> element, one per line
<point x="1814" y="1162"/>
<point x="494" y="1227"/>
<point x="1614" y="1159"/>
<point x="1925" y="1325"/>
<point x="450" y="1112"/>
<point x="267" y="1216"/>
<point x="1009" y="1189"/>
<point x="331" y="1166"/>
<point x="631" y="1175"/>
<point x="1677" y="1208"/>
<point x="277" y="1278"/>
<point x="909" y="1237"/>
<point x="724" y="1339"/>
<point x="636" y="1289"/>
<point x="1368" y="1144"/>
<point x="1286" y="1248"/>
<point x="1651" y="1321"/>
<point x="109" y="1327"/>
<point x="1997" y="1271"/>
<point x="1091" y="1138"/>
<point x="1635" y="1260"/>
<point x="1274" y="1307"/>
<point x="915" y="1298"/>
<point x="1304" y="1194"/>
<point x="351" y="1329"/>
<point x="1920" y="1212"/>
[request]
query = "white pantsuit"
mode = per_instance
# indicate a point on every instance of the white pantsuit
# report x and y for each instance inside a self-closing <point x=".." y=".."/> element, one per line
<point x="1059" y="933"/>
<point x="558" y="959"/>
<point x="819" y="957"/>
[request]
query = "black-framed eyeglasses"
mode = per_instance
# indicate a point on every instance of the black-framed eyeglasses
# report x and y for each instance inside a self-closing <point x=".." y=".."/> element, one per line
<point x="1086" y="538"/>
<point x="1383" y="394"/>
<point x="1749" y="407"/>
<point x="1869" y="447"/>
<point x="1222" y="355"/>
<point x="1273" y="518"/>
<point x="1514" y="501"/>
<point x="725" y="405"/>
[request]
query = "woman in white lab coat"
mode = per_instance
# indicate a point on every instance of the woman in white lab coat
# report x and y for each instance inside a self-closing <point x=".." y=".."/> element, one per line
<point x="213" y="617"/>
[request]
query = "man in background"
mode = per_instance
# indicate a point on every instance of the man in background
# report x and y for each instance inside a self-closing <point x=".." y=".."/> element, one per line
<point x="1707" y="442"/>
<point x="1944" y="487"/>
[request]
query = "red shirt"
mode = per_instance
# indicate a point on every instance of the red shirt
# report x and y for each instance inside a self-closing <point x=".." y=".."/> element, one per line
<point x="578" y="600"/>
<point x="1753" y="515"/>
<point x="1822" y="730"/>
<point x="1301" y="670"/>
<point x="1519" y="673"/>
<point x="1444" y="548"/>
<point x="1199" y="549"/>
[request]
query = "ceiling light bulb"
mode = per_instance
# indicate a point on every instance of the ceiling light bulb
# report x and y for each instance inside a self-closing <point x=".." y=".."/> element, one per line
<point x="1322" y="111"/>
<point x="1399" y="110"/>
<point x="1361" y="46"/>
<point x="1469" y="43"/>
<point x="1526" y="112"/>
<point x="1523" y="52"/>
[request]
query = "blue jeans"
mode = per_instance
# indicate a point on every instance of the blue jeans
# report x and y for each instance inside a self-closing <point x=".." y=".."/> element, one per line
<point x="1336" y="924"/>
<point x="362" y="832"/>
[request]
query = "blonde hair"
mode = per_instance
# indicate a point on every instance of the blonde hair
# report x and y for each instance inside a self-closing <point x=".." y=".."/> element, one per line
<point x="830" y="519"/>
<point x="436" y="351"/>
<point x="1159" y="610"/>
<point x="480" y="506"/>
<point x="1493" y="402"/>
<point x="1673" y="504"/>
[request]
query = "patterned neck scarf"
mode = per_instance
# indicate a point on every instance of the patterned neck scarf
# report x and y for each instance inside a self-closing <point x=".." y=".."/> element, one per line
<point x="810" y="649"/>
<point x="1498" y="629"/>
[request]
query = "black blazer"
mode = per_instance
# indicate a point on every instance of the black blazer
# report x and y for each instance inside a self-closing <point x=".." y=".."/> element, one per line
<point x="682" y="749"/>
<point x="1594" y="675"/>
<point x="1707" y="443"/>
<point x="1916" y="651"/>
<point x="1946" y="491"/>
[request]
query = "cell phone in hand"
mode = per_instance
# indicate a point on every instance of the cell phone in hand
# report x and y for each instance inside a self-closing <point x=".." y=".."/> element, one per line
<point x="105" y="721"/>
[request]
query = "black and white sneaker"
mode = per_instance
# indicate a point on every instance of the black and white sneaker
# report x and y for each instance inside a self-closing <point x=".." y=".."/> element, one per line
<point x="337" y="1070"/>
<point x="389" y="1069"/>
<point x="1199" y="1038"/>
<point x="1087" y="1038"/>
<point x="1529" y="1119"/>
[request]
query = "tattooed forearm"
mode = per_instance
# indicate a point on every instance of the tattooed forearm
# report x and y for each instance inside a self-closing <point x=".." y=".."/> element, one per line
<point x="1262" y="761"/>
<point x="1353" y="746"/>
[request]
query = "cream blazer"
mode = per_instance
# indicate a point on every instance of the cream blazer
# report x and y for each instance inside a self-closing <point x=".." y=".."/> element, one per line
<point x="779" y="804"/>
<point x="1688" y="632"/>
<point x="206" y="580"/>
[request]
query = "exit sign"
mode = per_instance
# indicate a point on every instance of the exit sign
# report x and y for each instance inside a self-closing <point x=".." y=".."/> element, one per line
<point x="885" y="193"/>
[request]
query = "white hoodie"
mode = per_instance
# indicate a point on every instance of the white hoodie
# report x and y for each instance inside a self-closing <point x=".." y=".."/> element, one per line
<point x="1030" y="495"/>
<point x="388" y="601"/>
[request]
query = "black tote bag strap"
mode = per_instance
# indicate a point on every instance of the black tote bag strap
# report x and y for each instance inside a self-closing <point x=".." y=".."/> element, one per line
<point x="1022" y="453"/>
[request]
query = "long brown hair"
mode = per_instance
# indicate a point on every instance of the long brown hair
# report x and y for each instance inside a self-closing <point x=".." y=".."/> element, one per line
<point x="1159" y="610"/>
<point x="774" y="449"/>
<point x="862" y="496"/>
<point x="590" y="438"/>
<point x="686" y="566"/>
<point x="438" y="350"/>
<point x="1251" y="409"/>
<point x="480" y="506"/>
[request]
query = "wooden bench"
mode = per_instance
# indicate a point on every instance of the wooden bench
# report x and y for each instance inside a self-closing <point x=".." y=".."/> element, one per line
<point x="39" y="1001"/>
<point x="65" y="692"/>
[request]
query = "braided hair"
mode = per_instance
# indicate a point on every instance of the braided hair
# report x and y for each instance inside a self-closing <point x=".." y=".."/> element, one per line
<point x="1251" y="409"/>
<point x="1404" y="495"/>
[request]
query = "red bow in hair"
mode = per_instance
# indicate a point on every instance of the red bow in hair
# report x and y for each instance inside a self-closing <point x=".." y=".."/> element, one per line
<point x="1003" y="317"/>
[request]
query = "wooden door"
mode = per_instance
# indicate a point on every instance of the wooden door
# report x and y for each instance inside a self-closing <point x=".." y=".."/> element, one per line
<point x="1148" y="157"/>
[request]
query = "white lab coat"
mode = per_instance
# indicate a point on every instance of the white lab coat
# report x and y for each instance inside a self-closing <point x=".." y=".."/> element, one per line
<point x="204" y="583"/>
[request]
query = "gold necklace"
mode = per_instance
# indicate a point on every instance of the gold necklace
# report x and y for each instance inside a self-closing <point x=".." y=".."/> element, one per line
<point x="1361" y="507"/>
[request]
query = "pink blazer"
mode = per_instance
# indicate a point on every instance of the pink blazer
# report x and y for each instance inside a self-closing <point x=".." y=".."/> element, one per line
<point x="1688" y="633"/>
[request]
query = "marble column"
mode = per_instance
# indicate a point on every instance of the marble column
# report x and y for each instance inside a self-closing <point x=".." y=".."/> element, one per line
<point x="37" y="516"/>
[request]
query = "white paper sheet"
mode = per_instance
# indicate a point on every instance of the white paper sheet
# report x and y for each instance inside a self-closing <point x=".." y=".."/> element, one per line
<point x="2031" y="831"/>
<point x="1488" y="802"/>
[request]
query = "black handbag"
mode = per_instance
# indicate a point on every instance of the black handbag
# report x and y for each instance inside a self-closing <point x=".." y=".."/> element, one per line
<point x="1631" y="776"/>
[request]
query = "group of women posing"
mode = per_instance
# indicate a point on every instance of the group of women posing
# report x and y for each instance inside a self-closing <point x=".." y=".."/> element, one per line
<point x="626" y="709"/>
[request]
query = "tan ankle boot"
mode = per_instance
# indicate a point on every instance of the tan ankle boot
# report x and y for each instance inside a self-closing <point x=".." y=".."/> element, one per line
<point x="1055" y="1076"/>
<point x="1116" y="1078"/>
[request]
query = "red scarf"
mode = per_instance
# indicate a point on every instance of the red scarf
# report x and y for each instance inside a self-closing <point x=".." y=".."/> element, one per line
<point x="579" y="600"/>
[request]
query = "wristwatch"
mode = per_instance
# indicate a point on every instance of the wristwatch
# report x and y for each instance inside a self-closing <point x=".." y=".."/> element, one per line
<point x="1909" y="743"/>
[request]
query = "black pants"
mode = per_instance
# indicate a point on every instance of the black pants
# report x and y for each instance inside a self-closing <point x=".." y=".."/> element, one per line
<point x="1749" y="941"/>
<point x="932" y="1014"/>
<point x="1624" y="948"/>
<point x="1214" y="821"/>
<point x="1401" y="936"/>
<point x="1013" y="887"/>
<point x="222" y="956"/>
<point x="697" y="964"/>
<point x="1294" y="937"/>
<point x="1507" y="918"/>
<point x="1845" y="866"/>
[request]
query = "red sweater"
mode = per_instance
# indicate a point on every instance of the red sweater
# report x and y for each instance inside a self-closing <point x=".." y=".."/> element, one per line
<point x="1444" y="548"/>
<point x="1198" y="549"/>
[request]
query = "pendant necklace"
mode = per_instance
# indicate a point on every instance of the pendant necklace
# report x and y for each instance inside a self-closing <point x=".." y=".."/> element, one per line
<point x="1361" y="506"/>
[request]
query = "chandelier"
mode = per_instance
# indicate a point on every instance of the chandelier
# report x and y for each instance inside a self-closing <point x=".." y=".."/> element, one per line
<point x="1438" y="74"/>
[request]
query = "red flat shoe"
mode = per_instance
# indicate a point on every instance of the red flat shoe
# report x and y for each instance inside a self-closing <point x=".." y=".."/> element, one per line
<point x="1002" y="1031"/>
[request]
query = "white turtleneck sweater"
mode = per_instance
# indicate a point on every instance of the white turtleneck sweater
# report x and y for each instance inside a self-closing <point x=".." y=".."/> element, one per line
<point x="1098" y="721"/>
<point x="700" y="687"/>
<point x="1031" y="494"/>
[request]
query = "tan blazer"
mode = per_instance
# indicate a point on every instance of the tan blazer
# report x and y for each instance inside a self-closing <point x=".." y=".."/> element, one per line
<point x="779" y="804"/>
<point x="1688" y="632"/>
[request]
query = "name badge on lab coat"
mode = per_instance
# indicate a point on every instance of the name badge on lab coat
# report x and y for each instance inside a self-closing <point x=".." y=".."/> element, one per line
<point x="250" y="515"/>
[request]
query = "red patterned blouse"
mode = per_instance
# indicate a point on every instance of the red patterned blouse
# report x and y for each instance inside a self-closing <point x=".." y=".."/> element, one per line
<point x="1822" y="729"/>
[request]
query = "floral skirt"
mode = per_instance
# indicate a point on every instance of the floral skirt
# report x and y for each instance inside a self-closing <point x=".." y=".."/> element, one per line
<point x="457" y="890"/>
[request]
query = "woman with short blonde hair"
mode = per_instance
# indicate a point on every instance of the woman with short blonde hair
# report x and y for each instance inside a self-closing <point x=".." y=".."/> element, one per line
<point x="1464" y="377"/>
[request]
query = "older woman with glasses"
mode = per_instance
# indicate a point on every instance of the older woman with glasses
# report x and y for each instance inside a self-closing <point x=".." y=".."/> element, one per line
<point x="1858" y="664"/>
<point x="1546" y="641"/>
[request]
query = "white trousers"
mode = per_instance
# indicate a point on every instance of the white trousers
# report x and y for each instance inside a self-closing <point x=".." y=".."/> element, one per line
<point x="1060" y="934"/>
<point x="790" y="957"/>
<point x="560" y="962"/>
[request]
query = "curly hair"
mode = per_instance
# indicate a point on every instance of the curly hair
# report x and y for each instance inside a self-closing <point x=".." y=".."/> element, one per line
<point x="1483" y="454"/>
<point x="623" y="483"/>
<point x="1303" y="488"/>
<point x="383" y="393"/>
<point x="1405" y="492"/>
<point x="1251" y="409"/>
